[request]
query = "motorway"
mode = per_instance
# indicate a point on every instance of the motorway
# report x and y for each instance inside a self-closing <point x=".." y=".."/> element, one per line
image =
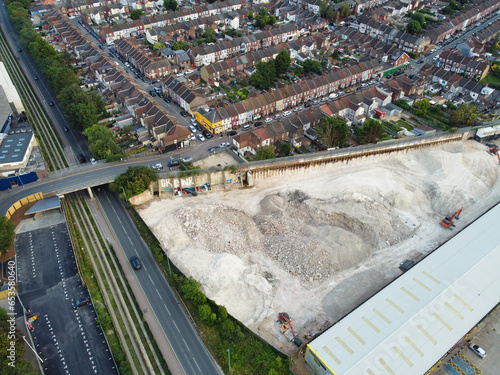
<point x="74" y="142"/>
<point x="185" y="342"/>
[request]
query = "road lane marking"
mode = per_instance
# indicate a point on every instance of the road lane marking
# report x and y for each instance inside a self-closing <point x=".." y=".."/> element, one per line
<point x="186" y="345"/>
<point x="167" y="309"/>
<point x="159" y="294"/>
<point x="196" y="364"/>
<point x="176" y="327"/>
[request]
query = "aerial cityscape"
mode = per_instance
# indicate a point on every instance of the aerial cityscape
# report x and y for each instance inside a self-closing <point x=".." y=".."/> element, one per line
<point x="266" y="187"/>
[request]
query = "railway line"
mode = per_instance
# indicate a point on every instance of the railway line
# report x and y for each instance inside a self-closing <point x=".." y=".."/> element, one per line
<point x="45" y="133"/>
<point x="127" y="319"/>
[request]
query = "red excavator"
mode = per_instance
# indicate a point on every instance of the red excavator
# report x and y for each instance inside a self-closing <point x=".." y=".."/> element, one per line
<point x="494" y="151"/>
<point x="447" y="222"/>
<point x="287" y="328"/>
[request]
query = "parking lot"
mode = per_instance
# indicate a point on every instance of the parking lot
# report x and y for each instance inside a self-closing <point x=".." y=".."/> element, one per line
<point x="68" y="340"/>
<point x="464" y="361"/>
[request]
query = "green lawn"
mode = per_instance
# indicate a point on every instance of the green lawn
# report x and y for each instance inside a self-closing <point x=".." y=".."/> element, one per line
<point x="491" y="79"/>
<point x="405" y="125"/>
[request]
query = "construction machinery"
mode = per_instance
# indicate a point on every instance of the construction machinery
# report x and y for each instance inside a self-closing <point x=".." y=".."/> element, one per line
<point x="494" y="151"/>
<point x="287" y="328"/>
<point x="447" y="222"/>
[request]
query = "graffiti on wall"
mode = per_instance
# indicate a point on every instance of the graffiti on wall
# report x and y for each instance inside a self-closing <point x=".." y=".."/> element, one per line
<point x="174" y="183"/>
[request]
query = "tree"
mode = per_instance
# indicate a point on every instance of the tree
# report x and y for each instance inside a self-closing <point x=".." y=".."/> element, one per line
<point x="323" y="8"/>
<point x="256" y="80"/>
<point x="6" y="233"/>
<point x="266" y="152"/>
<point x="134" y="181"/>
<point x="336" y="54"/>
<point x="170" y="4"/>
<point x="158" y="45"/>
<point x="250" y="16"/>
<point x="21" y="364"/>
<point x="370" y="132"/>
<point x="176" y="46"/>
<point x="209" y="34"/>
<point x="312" y="66"/>
<point x="331" y="14"/>
<point x="190" y="289"/>
<point x="101" y="141"/>
<point x="419" y="17"/>
<point x="494" y="45"/>
<point x="282" y="62"/>
<point x="206" y="314"/>
<point x="344" y="10"/>
<point x="332" y="132"/>
<point x="136" y="14"/>
<point x="464" y="115"/>
<point x="414" y="27"/>
<point x="286" y="149"/>
<point x="422" y="106"/>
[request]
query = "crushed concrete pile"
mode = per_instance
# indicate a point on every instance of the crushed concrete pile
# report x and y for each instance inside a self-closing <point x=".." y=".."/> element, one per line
<point x="319" y="242"/>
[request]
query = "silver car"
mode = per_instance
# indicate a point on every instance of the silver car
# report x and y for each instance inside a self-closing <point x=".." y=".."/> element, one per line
<point x="477" y="350"/>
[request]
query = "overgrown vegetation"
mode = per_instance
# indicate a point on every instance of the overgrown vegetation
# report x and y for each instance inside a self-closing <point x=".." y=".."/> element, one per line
<point x="134" y="181"/>
<point x="6" y="233"/>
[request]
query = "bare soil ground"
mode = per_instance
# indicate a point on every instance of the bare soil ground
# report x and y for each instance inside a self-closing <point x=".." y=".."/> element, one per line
<point x="316" y="244"/>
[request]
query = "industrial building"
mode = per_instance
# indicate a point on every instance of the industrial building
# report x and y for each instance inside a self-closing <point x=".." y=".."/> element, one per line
<point x="408" y="326"/>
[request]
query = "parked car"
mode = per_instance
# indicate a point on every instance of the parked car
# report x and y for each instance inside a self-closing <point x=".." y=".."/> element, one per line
<point x="173" y="163"/>
<point x="406" y="265"/>
<point x="287" y="113"/>
<point x="257" y="124"/>
<point x="296" y="109"/>
<point x="135" y="262"/>
<point x="477" y="350"/>
<point x="268" y="119"/>
<point x="80" y="302"/>
<point x="211" y="149"/>
<point x="224" y="144"/>
<point x="348" y="91"/>
<point x="192" y="128"/>
<point x="157" y="166"/>
<point x="187" y="159"/>
<point x="167" y="99"/>
<point x="207" y="134"/>
<point x="231" y="133"/>
<point x="307" y="105"/>
<point x="200" y="137"/>
<point x="315" y="102"/>
<point x="277" y="115"/>
<point x="184" y="113"/>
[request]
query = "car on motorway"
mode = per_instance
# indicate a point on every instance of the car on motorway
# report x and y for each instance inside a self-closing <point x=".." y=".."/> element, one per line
<point x="135" y="262"/>
<point x="51" y="103"/>
<point x="19" y="49"/>
<point x="80" y="302"/>
<point x="187" y="159"/>
<point x="173" y="163"/>
<point x="192" y="129"/>
<point x="36" y="78"/>
<point x="157" y="167"/>
<point x="268" y="119"/>
<point x="200" y="137"/>
<point x="66" y="129"/>
<point x="81" y="158"/>
<point x="224" y="144"/>
<point x="477" y="350"/>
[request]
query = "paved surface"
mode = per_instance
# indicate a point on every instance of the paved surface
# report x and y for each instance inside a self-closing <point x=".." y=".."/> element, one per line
<point x="68" y="341"/>
<point x="180" y="335"/>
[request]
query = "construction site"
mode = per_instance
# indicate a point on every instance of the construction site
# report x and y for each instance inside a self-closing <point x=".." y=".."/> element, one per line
<point x="308" y="247"/>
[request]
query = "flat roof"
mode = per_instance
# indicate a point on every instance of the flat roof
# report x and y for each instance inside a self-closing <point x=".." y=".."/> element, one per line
<point x="411" y="323"/>
<point x="13" y="148"/>
<point x="44" y="205"/>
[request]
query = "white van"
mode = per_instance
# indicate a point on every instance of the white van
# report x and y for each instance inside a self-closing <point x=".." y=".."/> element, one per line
<point x="246" y="127"/>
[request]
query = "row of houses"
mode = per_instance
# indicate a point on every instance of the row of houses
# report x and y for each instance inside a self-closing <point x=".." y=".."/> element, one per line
<point x="456" y="62"/>
<point x="464" y="19"/>
<point x="235" y="115"/>
<point x="400" y="39"/>
<point x="207" y="54"/>
<point x="126" y="29"/>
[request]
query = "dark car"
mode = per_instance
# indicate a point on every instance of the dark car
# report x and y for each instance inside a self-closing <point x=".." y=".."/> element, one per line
<point x="66" y="129"/>
<point x="211" y="149"/>
<point x="231" y="133"/>
<point x="173" y="163"/>
<point x="167" y="99"/>
<point x="82" y="301"/>
<point x="36" y="78"/>
<point x="135" y="262"/>
<point x="307" y="105"/>
<point x="190" y="192"/>
<point x="207" y="134"/>
<point x="406" y="265"/>
<point x="257" y="124"/>
<point x="51" y="103"/>
<point x="19" y="50"/>
<point x="184" y="113"/>
<point x="421" y="62"/>
<point x="81" y="158"/>
<point x="198" y="127"/>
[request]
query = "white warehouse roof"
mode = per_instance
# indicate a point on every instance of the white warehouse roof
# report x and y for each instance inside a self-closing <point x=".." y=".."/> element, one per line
<point x="410" y="324"/>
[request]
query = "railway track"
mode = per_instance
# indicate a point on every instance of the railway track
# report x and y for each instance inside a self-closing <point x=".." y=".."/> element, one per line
<point x="127" y="318"/>
<point x="47" y="138"/>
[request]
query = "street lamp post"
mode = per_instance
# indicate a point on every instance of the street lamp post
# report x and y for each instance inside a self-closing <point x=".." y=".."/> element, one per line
<point x="124" y="193"/>
<point x="229" y="357"/>
<point x="33" y="350"/>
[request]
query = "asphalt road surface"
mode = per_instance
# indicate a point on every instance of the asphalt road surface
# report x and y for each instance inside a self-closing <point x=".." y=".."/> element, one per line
<point x="189" y="350"/>
<point x="68" y="341"/>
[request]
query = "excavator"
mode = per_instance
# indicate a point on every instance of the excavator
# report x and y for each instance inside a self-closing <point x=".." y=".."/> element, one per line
<point x="447" y="222"/>
<point x="494" y="151"/>
<point x="287" y="328"/>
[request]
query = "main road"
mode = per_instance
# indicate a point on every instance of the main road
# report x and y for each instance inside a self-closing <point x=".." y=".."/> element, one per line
<point x="192" y="355"/>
